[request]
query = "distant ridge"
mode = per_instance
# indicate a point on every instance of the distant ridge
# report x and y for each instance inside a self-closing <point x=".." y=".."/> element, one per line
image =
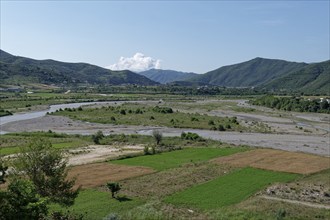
<point x="16" y="69"/>
<point x="313" y="78"/>
<point x="269" y="74"/>
<point x="248" y="74"/>
<point x="166" y="76"/>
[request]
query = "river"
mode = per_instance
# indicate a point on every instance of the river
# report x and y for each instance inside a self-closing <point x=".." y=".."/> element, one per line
<point x="38" y="114"/>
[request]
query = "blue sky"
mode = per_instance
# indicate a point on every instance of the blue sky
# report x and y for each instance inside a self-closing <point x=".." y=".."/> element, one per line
<point x="195" y="36"/>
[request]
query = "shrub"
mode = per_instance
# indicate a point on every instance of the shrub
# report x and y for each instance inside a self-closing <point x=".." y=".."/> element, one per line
<point x="221" y="128"/>
<point x="114" y="187"/>
<point x="194" y="119"/>
<point x="190" y="136"/>
<point x="97" y="137"/>
<point x="123" y="112"/>
<point x="158" y="136"/>
<point x="164" y="110"/>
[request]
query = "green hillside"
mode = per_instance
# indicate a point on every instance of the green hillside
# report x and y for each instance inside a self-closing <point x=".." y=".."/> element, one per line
<point x="314" y="78"/>
<point x="248" y="74"/>
<point x="15" y="69"/>
<point x="166" y="76"/>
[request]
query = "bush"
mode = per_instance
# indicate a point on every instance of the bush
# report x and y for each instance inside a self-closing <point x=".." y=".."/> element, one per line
<point x="221" y="128"/>
<point x="97" y="137"/>
<point x="194" y="119"/>
<point x="190" y="136"/>
<point x="158" y="136"/>
<point x="164" y="110"/>
<point x="123" y="112"/>
<point x="114" y="187"/>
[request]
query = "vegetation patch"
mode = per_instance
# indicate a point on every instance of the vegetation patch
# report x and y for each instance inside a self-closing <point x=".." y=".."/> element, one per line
<point x="138" y="114"/>
<point x="161" y="184"/>
<point x="277" y="160"/>
<point x="13" y="143"/>
<point x="229" y="189"/>
<point x="95" y="204"/>
<point x="293" y="103"/>
<point x="173" y="159"/>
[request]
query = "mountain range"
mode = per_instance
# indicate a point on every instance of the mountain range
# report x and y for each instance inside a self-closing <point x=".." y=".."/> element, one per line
<point x="16" y="69"/>
<point x="271" y="74"/>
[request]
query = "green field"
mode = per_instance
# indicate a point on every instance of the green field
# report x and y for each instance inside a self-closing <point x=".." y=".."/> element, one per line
<point x="12" y="143"/>
<point x="176" y="158"/>
<point x="229" y="189"/>
<point x="94" y="204"/>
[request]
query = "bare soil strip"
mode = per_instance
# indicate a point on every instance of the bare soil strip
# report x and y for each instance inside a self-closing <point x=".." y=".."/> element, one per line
<point x="97" y="174"/>
<point x="277" y="160"/>
<point x="313" y="205"/>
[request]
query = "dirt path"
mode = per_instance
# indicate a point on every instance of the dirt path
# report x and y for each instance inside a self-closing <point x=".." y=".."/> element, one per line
<point x="98" y="153"/>
<point x="309" y="204"/>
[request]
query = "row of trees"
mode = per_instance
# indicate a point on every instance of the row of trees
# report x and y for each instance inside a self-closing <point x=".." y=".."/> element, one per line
<point x="293" y="104"/>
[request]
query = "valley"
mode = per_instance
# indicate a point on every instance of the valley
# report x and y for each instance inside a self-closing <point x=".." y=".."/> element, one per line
<point x="224" y="140"/>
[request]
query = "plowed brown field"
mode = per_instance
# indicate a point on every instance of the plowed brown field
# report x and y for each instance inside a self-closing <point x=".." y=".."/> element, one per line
<point x="97" y="174"/>
<point x="277" y="160"/>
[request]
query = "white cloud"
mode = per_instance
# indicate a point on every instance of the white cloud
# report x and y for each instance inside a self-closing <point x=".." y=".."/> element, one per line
<point x="139" y="62"/>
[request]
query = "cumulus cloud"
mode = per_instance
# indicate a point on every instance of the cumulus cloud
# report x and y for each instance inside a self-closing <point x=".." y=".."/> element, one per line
<point x="139" y="62"/>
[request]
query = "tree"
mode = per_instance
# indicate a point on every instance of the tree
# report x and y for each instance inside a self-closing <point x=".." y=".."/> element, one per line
<point x="97" y="137"/>
<point x="22" y="201"/>
<point x="47" y="170"/>
<point x="113" y="187"/>
<point x="158" y="136"/>
<point x="3" y="169"/>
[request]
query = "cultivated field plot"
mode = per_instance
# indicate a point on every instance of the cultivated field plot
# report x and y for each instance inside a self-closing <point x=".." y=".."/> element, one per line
<point x="97" y="174"/>
<point x="176" y="158"/>
<point x="94" y="204"/>
<point x="277" y="160"/>
<point x="229" y="189"/>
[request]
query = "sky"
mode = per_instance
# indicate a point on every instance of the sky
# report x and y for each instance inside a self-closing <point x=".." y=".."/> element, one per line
<point x="190" y="36"/>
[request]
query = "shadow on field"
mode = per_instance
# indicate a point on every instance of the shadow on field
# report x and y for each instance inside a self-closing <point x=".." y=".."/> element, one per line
<point x="123" y="199"/>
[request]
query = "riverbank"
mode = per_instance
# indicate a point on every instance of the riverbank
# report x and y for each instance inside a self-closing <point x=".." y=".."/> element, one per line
<point x="314" y="144"/>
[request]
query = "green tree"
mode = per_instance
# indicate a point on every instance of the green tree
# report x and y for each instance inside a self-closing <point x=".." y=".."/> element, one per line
<point x="47" y="169"/>
<point x="97" y="137"/>
<point x="22" y="201"/>
<point x="158" y="136"/>
<point x="113" y="187"/>
<point x="3" y="169"/>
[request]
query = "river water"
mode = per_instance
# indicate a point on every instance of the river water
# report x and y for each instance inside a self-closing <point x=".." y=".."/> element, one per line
<point x="38" y="114"/>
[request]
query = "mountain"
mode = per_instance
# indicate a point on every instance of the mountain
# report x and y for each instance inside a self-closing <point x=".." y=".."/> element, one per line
<point x="313" y="78"/>
<point x="166" y="76"/>
<point x="248" y="74"/>
<point x="16" y="69"/>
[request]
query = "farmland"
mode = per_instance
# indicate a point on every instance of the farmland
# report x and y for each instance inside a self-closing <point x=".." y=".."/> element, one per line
<point x="198" y="170"/>
<point x="227" y="190"/>
<point x="176" y="158"/>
